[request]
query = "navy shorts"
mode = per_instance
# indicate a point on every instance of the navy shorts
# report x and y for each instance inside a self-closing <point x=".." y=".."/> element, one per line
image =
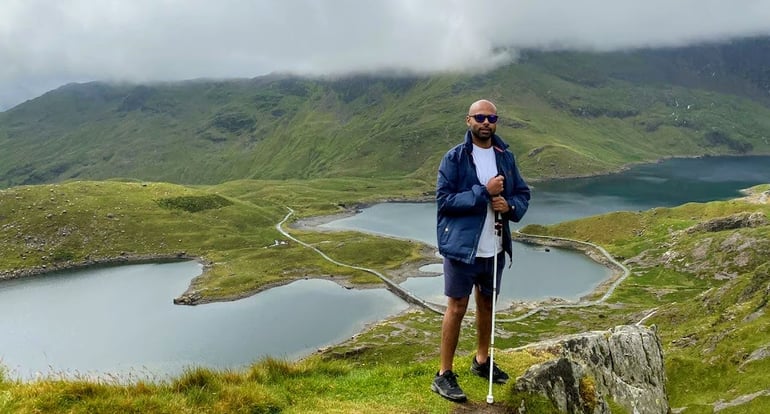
<point x="460" y="277"/>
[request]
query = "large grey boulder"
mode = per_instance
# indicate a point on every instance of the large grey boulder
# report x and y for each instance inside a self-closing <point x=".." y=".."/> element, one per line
<point x="590" y="371"/>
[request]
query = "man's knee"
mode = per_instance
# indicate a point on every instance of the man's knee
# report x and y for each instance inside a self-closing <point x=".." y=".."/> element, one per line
<point x="484" y="302"/>
<point x="456" y="307"/>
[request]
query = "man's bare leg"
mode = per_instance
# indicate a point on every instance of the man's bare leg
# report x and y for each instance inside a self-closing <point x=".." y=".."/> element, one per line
<point x="450" y="331"/>
<point x="483" y="325"/>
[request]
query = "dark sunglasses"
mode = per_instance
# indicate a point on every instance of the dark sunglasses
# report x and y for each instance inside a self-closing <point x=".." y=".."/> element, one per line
<point x="480" y="118"/>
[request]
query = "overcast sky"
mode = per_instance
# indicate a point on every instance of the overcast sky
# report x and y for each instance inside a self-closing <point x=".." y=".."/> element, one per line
<point x="47" y="43"/>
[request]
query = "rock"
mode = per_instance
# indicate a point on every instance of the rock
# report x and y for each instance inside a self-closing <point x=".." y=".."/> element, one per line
<point x="736" y="221"/>
<point x="190" y="299"/>
<point x="759" y="354"/>
<point x="623" y="365"/>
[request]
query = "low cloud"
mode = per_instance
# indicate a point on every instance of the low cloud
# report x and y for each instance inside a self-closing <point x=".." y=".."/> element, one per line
<point x="44" y="43"/>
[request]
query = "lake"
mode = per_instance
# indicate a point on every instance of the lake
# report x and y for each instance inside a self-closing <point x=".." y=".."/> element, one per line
<point x="665" y="184"/>
<point x="536" y="274"/>
<point x="121" y="320"/>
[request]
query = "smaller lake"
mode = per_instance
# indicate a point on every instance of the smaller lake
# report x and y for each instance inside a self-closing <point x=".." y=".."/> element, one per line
<point x="121" y="321"/>
<point x="536" y="274"/>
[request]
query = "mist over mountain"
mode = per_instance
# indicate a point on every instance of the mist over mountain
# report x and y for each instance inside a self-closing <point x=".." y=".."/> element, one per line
<point x="144" y="40"/>
<point x="564" y="113"/>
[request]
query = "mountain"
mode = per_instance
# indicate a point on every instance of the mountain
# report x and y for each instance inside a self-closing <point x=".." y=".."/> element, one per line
<point x="564" y="114"/>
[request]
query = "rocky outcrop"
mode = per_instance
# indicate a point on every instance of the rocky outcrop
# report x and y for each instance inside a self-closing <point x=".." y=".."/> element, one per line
<point x="188" y="298"/>
<point x="592" y="371"/>
<point x="721" y="248"/>
<point x="736" y="221"/>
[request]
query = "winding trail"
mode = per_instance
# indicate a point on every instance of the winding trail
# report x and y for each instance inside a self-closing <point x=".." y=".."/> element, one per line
<point x="389" y="284"/>
<point x="547" y="240"/>
<point x="541" y="240"/>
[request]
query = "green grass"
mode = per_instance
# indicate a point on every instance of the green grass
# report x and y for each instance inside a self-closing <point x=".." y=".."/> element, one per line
<point x="230" y="226"/>
<point x="254" y="148"/>
<point x="268" y="386"/>
<point x="708" y="327"/>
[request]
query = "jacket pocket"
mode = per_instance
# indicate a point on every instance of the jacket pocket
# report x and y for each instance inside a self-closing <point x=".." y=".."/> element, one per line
<point x="443" y="236"/>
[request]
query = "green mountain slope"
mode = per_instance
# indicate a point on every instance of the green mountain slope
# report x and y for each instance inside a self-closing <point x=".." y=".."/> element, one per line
<point x="699" y="272"/>
<point x="564" y="114"/>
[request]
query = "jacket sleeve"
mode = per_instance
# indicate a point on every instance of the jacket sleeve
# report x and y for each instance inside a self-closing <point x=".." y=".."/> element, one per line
<point x="518" y="194"/>
<point x="454" y="197"/>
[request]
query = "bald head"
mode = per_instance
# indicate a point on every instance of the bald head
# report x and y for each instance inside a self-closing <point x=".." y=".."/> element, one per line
<point x="482" y="130"/>
<point x="482" y="106"/>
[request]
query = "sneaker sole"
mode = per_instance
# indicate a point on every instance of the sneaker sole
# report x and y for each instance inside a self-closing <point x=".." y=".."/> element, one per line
<point x="437" y="390"/>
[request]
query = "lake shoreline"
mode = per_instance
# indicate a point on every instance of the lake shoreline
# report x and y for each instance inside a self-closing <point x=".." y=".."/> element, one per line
<point x="430" y="253"/>
<point x="313" y="223"/>
<point x="125" y="259"/>
<point x="617" y="270"/>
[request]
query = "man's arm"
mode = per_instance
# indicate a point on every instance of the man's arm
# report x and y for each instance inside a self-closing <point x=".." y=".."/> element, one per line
<point x="519" y="197"/>
<point x="451" y="197"/>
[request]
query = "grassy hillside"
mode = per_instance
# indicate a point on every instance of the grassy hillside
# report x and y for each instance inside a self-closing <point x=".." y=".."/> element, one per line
<point x="231" y="227"/>
<point x="235" y="154"/>
<point x="699" y="270"/>
<point x="703" y="269"/>
<point x="564" y="114"/>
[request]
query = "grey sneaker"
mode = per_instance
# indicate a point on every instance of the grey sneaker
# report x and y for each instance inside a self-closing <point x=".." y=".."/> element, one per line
<point x="446" y="386"/>
<point x="482" y="370"/>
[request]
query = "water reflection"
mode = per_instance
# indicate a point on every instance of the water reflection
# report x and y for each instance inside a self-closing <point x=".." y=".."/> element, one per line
<point x="121" y="321"/>
<point x="534" y="275"/>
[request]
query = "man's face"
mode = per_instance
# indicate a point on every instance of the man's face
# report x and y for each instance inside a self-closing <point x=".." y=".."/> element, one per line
<point x="483" y="129"/>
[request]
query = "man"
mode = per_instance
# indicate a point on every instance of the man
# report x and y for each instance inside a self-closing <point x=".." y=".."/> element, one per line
<point x="477" y="180"/>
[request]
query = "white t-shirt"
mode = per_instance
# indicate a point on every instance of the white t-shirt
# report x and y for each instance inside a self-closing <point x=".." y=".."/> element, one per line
<point x="486" y="168"/>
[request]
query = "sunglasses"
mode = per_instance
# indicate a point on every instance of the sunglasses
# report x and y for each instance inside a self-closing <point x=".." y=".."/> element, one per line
<point x="480" y="118"/>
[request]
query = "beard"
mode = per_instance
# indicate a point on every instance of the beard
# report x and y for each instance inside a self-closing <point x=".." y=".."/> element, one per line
<point x="482" y="134"/>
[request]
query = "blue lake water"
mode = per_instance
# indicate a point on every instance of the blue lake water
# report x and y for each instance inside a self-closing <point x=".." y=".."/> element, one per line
<point x="536" y="274"/>
<point x="121" y="320"/>
<point x="669" y="183"/>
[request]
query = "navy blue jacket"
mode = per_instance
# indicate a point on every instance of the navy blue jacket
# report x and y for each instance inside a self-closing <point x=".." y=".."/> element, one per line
<point x="462" y="201"/>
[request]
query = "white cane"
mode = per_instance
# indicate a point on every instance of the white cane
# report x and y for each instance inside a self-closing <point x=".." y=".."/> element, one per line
<point x="498" y="229"/>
